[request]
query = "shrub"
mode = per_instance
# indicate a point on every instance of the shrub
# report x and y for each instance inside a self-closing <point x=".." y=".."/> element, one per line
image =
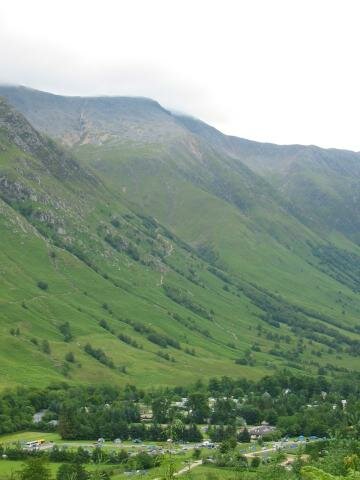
<point x="100" y="355"/>
<point x="42" y="285"/>
<point x="70" y="357"/>
<point x="66" y="331"/>
<point x="45" y="347"/>
<point x="74" y="471"/>
<point x="35" y="468"/>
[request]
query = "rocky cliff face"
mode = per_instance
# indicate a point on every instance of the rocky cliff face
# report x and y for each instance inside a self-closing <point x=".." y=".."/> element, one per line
<point x="94" y="120"/>
<point x="17" y="130"/>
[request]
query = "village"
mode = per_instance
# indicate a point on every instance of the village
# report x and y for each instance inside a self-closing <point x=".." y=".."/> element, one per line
<point x="259" y="444"/>
<point x="224" y="425"/>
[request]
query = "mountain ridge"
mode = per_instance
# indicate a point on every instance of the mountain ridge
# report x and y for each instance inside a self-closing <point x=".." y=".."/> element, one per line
<point x="184" y="251"/>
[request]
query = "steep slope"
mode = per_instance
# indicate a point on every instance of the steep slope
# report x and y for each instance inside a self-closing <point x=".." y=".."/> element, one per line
<point x="79" y="267"/>
<point x="184" y="238"/>
<point x="321" y="185"/>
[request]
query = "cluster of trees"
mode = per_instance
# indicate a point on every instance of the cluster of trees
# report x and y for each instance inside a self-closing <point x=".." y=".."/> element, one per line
<point x="120" y="422"/>
<point x="36" y="465"/>
<point x="342" y="265"/>
<point x="79" y="456"/>
<point x="295" y="404"/>
<point x="165" y="356"/>
<point x="152" y="335"/>
<point x="130" y="341"/>
<point x="180" y="297"/>
<point x="123" y="245"/>
<point x="65" y="330"/>
<point x="99" y="355"/>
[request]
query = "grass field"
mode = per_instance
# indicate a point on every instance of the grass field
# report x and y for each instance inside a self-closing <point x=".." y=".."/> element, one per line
<point x="176" y="461"/>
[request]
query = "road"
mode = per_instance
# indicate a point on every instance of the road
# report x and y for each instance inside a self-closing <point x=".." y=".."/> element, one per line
<point x="255" y="454"/>
<point x="188" y="468"/>
<point x="185" y="469"/>
<point x="283" y="446"/>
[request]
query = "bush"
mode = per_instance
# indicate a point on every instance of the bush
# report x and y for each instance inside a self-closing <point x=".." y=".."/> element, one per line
<point x="66" y="331"/>
<point x="42" y="285"/>
<point x="70" y="357"/>
<point x="73" y="471"/>
<point x="35" y="469"/>
<point x="100" y="355"/>
<point x="181" y="297"/>
<point x="255" y="462"/>
<point x="45" y="347"/>
<point x="244" y="436"/>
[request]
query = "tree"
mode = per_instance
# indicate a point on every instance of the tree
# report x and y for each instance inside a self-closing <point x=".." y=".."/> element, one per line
<point x="196" y="453"/>
<point x="82" y="455"/>
<point x="255" y="462"/>
<point x="160" y="409"/>
<point x="198" y="406"/>
<point x="35" y="469"/>
<point x="224" y="411"/>
<point x="70" y="357"/>
<point x="66" y="331"/>
<point x="193" y="434"/>
<point x="72" y="471"/>
<point x="176" y="430"/>
<point x="251" y="414"/>
<point x="67" y="424"/>
<point x="244" y="436"/>
<point x="313" y="473"/>
<point x="42" y="285"/>
<point x="227" y="445"/>
<point x="144" y="461"/>
<point x="45" y="347"/>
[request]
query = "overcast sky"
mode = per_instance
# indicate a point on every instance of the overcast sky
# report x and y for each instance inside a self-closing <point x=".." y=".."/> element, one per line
<point x="285" y="71"/>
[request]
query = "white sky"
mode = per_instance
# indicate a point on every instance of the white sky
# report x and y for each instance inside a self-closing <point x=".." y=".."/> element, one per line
<point x="286" y="71"/>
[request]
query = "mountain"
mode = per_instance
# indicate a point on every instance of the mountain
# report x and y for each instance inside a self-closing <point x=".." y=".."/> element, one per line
<point x="175" y="251"/>
<point x="321" y="185"/>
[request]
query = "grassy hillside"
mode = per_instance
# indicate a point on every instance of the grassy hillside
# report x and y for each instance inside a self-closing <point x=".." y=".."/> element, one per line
<point x="84" y="258"/>
<point x="157" y="256"/>
<point x="320" y="185"/>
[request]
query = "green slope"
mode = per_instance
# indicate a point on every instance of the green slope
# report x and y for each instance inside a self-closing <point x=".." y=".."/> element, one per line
<point x="89" y="280"/>
<point x="165" y="234"/>
<point x="320" y="185"/>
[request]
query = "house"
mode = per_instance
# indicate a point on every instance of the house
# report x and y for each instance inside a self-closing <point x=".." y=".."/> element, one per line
<point x="38" y="416"/>
<point x="146" y="413"/>
<point x="208" y="444"/>
<point x="212" y="402"/>
<point x="146" y="416"/>
<point x="181" y="403"/>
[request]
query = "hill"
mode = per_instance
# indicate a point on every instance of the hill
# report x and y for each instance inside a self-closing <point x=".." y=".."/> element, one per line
<point x="321" y="185"/>
<point x="159" y="242"/>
